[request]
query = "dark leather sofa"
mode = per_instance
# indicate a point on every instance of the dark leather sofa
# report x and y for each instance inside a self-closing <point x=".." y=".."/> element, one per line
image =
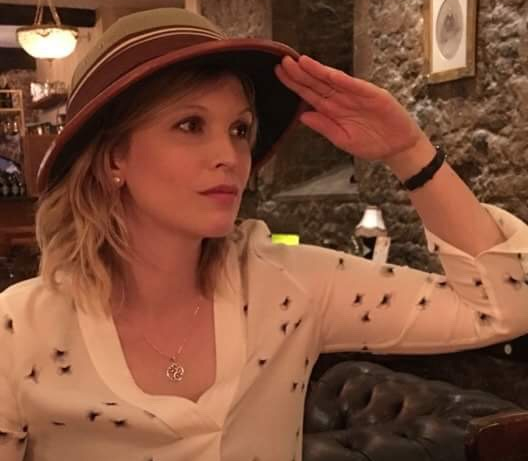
<point x="362" y="407"/>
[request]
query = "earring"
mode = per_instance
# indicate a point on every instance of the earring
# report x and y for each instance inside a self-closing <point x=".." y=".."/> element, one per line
<point x="117" y="180"/>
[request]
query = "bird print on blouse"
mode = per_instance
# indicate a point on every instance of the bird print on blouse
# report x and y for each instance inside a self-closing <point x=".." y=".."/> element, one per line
<point x="92" y="415"/>
<point x="59" y="356"/>
<point x="358" y="300"/>
<point x="20" y="441"/>
<point x="514" y="282"/>
<point x="8" y="325"/>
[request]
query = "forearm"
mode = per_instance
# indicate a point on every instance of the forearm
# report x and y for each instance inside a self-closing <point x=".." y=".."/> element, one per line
<point x="445" y="204"/>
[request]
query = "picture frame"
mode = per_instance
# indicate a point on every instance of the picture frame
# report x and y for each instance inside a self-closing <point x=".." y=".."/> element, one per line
<point x="450" y="36"/>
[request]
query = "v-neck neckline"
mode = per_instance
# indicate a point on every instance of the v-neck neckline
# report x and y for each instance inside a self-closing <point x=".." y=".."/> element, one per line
<point x="182" y="415"/>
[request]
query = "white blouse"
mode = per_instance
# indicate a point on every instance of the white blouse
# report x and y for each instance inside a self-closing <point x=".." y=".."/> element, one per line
<point x="66" y="392"/>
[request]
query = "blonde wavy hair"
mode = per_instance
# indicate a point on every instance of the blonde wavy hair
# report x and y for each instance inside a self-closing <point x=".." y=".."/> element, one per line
<point x="80" y="224"/>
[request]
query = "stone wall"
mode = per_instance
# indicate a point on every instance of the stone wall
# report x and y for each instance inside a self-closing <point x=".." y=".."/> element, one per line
<point x="325" y="31"/>
<point x="480" y="121"/>
<point x="240" y="18"/>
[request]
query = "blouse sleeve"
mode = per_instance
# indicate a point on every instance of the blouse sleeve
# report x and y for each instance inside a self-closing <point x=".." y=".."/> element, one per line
<point x="13" y="432"/>
<point x="393" y="309"/>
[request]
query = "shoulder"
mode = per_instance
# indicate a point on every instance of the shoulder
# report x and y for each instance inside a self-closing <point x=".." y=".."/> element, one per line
<point x="255" y="241"/>
<point x="270" y="270"/>
<point x="20" y="293"/>
<point x="32" y="300"/>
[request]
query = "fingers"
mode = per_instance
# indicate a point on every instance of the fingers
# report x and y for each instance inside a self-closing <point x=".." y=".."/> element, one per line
<point x="312" y="97"/>
<point x="308" y="78"/>
<point x="324" y="87"/>
<point x="335" y="78"/>
<point x="317" y="70"/>
<point x="330" y="102"/>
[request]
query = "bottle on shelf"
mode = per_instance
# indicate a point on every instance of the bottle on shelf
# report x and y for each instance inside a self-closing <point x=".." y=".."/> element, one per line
<point x="4" y="186"/>
<point x="15" y="189"/>
<point x="8" y="127"/>
<point x="9" y="184"/>
<point x="22" y="188"/>
<point x="6" y="101"/>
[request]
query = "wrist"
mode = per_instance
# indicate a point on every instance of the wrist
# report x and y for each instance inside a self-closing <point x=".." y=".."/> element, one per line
<point x="407" y="163"/>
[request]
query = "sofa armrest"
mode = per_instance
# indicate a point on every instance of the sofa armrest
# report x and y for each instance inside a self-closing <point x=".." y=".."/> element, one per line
<point x="502" y="436"/>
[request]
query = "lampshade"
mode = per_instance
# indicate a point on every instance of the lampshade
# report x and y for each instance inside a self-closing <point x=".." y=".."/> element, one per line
<point x="371" y="224"/>
<point x="49" y="42"/>
<point x="286" y="239"/>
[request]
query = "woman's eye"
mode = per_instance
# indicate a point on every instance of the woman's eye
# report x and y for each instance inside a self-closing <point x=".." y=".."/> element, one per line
<point x="241" y="130"/>
<point x="191" y="125"/>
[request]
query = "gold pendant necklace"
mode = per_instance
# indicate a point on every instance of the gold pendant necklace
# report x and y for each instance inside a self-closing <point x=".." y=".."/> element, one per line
<point x="175" y="371"/>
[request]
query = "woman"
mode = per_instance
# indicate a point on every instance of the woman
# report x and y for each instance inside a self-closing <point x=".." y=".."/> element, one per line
<point x="159" y="330"/>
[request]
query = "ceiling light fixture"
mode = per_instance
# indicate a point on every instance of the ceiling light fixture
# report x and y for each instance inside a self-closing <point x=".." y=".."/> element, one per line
<point x="47" y="41"/>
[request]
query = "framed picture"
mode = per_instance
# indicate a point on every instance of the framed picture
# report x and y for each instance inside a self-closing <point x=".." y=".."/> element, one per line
<point x="450" y="28"/>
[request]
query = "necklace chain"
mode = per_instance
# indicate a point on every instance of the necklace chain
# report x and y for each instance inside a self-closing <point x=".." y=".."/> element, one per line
<point x="175" y="370"/>
<point x="180" y="349"/>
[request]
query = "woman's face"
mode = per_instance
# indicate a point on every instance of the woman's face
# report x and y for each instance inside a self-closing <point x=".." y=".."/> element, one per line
<point x="200" y="142"/>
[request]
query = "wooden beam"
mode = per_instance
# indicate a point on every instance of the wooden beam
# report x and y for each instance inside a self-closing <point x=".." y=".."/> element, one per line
<point x="16" y="58"/>
<point x="24" y="15"/>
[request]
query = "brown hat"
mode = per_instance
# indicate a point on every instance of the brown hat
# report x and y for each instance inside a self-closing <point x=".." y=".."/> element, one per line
<point x="137" y="46"/>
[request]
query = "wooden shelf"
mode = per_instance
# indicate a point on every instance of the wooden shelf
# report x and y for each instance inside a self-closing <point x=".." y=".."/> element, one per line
<point x="16" y="198"/>
<point x="50" y="102"/>
<point x="18" y="100"/>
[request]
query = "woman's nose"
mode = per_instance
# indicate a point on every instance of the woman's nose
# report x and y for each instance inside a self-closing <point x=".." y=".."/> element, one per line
<point x="226" y="153"/>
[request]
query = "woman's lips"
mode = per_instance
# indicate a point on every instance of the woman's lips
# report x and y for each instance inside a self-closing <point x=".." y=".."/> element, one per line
<point x="222" y="188"/>
<point x="222" y="194"/>
<point x="224" y="198"/>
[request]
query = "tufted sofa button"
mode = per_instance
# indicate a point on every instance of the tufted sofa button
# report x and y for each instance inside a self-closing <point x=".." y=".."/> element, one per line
<point x="360" y="411"/>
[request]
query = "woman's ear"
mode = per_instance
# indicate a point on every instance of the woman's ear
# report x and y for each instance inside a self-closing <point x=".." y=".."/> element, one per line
<point x="117" y="163"/>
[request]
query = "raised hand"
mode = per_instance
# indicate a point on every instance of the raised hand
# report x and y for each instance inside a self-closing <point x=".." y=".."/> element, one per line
<point x="356" y="116"/>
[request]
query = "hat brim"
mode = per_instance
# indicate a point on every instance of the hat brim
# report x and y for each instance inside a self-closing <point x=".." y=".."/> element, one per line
<point x="277" y="106"/>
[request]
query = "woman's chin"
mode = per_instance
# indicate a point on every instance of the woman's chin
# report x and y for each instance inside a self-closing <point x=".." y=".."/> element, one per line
<point x="219" y="229"/>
